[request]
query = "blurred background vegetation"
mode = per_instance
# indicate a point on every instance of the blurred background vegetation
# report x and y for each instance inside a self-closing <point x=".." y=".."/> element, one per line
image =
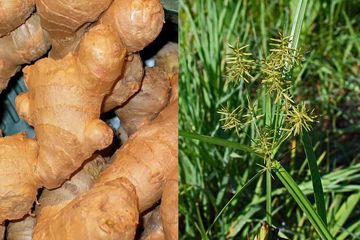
<point x="328" y="81"/>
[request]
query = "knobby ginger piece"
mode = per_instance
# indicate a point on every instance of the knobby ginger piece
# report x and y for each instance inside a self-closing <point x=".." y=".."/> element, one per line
<point x="23" y="45"/>
<point x="169" y="207"/>
<point x="21" y="229"/>
<point x="133" y="182"/>
<point x="66" y="21"/>
<point x="153" y="229"/>
<point x="147" y="157"/>
<point x="144" y="106"/>
<point x="128" y="84"/>
<point x="18" y="182"/>
<point x="2" y="231"/>
<point x="108" y="211"/>
<point x="64" y="102"/>
<point x="79" y="183"/>
<point x="174" y="82"/>
<point x="167" y="58"/>
<point x="137" y="22"/>
<point x="13" y="13"/>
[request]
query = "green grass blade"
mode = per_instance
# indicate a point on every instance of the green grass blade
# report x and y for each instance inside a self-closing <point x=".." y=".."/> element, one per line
<point x="349" y="231"/>
<point x="233" y="197"/>
<point x="315" y="176"/>
<point x="217" y="141"/>
<point x="344" y="212"/>
<point x="268" y="197"/>
<point x="298" y="20"/>
<point x="302" y="201"/>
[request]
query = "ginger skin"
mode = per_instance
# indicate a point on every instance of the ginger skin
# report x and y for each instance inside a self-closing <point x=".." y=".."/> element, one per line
<point x="137" y="22"/>
<point x="127" y="85"/>
<point x="13" y="13"/>
<point x="143" y="165"/>
<point x="25" y="44"/>
<point x="153" y="228"/>
<point x="66" y="24"/>
<point x="169" y="208"/>
<point x="79" y="183"/>
<point x="64" y="111"/>
<point x="146" y="104"/>
<point x="17" y="177"/>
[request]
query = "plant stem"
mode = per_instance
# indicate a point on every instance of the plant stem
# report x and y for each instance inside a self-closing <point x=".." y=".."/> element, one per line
<point x="268" y="196"/>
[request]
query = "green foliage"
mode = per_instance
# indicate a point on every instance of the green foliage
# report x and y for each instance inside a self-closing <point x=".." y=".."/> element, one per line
<point x="327" y="81"/>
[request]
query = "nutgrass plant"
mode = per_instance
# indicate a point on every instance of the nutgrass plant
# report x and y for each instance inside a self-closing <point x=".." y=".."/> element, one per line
<point x="264" y="168"/>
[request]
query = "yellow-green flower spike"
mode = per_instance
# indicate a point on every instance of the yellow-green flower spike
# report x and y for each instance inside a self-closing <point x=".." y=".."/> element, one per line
<point x="238" y="64"/>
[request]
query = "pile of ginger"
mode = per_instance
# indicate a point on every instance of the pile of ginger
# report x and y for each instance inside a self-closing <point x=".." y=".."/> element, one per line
<point x="79" y="178"/>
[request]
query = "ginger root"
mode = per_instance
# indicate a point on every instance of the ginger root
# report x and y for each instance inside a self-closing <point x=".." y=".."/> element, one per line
<point x="167" y="58"/>
<point x="18" y="181"/>
<point x="66" y="21"/>
<point x="131" y="184"/>
<point x="64" y="111"/>
<point x="137" y="22"/>
<point x="93" y="215"/>
<point x="13" y="13"/>
<point x="21" y="229"/>
<point x="23" y="45"/>
<point x="65" y="108"/>
<point x="169" y="208"/>
<point x="79" y="183"/>
<point x="153" y="228"/>
<point x="144" y="106"/>
<point x="127" y="85"/>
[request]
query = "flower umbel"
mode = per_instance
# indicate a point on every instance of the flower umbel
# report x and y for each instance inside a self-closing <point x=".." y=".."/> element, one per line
<point x="238" y="65"/>
<point x="230" y="118"/>
<point x="298" y="118"/>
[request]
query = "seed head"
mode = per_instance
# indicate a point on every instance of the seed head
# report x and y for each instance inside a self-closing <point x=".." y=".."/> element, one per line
<point x="298" y="118"/>
<point x="238" y="64"/>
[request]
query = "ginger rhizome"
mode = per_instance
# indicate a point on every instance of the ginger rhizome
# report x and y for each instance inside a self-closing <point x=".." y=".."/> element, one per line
<point x="131" y="184"/>
<point x="64" y="111"/>
<point x="127" y="85"/>
<point x="144" y="106"/>
<point x="79" y="183"/>
<point x="153" y="228"/>
<point x="169" y="207"/>
<point x="18" y="182"/>
<point x="66" y="21"/>
<point x="137" y="22"/>
<point x="13" y="13"/>
<point x="23" y="45"/>
<point x="167" y="58"/>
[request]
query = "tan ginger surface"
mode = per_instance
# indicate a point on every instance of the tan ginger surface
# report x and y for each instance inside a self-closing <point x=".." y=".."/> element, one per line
<point x="109" y="210"/>
<point x="153" y="228"/>
<point x="65" y="108"/>
<point x="167" y="58"/>
<point x="13" y="13"/>
<point x="21" y="229"/>
<point x="64" y="111"/>
<point x="127" y="85"/>
<point x="169" y="207"/>
<point x="79" y="183"/>
<point x="145" y="105"/>
<point x="17" y="178"/>
<point x="137" y="22"/>
<point x="23" y="45"/>
<point x="66" y="21"/>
